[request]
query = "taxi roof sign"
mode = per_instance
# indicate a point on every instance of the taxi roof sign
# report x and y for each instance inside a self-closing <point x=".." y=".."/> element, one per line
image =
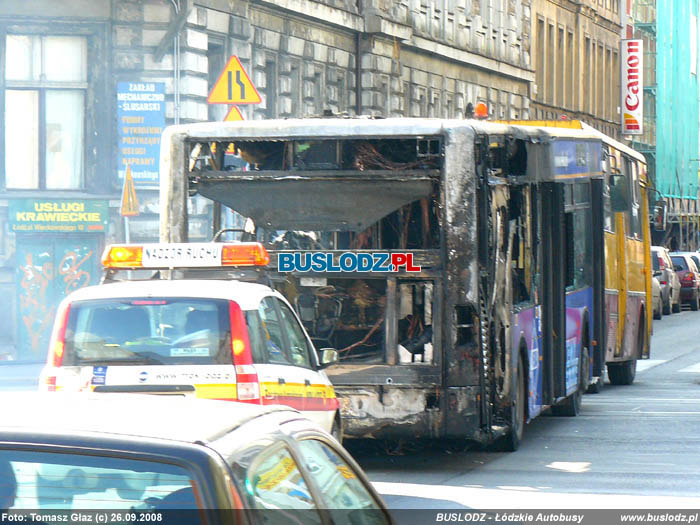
<point x="234" y="86"/>
<point x="130" y="203"/>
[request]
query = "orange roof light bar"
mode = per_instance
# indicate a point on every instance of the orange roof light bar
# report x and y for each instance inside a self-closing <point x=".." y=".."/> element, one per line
<point x="185" y="255"/>
<point x="122" y="256"/>
<point x="244" y="254"/>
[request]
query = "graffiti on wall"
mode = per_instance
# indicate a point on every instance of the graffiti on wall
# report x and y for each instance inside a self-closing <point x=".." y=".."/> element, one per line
<point x="46" y="273"/>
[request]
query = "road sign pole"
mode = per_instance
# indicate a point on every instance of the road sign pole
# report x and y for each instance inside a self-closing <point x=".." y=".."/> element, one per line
<point x="127" y="236"/>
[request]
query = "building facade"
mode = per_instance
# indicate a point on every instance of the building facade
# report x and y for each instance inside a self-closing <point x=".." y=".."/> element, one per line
<point x="86" y="86"/>
<point x="575" y="52"/>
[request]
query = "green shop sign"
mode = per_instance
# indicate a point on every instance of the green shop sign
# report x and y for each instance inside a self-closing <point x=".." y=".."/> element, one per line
<point x="58" y="215"/>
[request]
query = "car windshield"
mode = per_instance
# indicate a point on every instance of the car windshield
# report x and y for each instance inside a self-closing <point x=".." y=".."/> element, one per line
<point x="680" y="262"/>
<point x="47" y="480"/>
<point x="148" y="331"/>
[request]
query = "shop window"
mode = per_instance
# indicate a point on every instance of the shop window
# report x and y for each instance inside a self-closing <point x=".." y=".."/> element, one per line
<point x="46" y="81"/>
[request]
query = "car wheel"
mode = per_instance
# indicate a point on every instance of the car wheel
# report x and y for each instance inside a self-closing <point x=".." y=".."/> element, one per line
<point x="572" y="404"/>
<point x="694" y="303"/>
<point x="511" y="441"/>
<point x="657" y="312"/>
<point x="676" y="308"/>
<point x="667" y="305"/>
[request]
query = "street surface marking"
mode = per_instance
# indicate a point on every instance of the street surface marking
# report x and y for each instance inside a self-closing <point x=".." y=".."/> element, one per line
<point x="646" y="364"/>
<point x="486" y="498"/>
<point x="694" y="369"/>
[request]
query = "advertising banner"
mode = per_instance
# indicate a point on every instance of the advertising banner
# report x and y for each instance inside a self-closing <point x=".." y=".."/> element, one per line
<point x="140" y="120"/>
<point x="632" y="100"/>
<point x="58" y="215"/>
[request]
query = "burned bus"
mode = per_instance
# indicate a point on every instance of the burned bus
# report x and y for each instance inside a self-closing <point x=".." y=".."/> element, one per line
<point x="456" y="266"/>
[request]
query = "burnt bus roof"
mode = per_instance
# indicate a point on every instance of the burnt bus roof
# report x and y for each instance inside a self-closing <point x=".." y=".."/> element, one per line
<point x="284" y="129"/>
<point x="330" y="128"/>
<point x="330" y="199"/>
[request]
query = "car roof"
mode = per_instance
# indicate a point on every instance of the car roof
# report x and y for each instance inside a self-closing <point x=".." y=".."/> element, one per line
<point x="247" y="295"/>
<point x="174" y="418"/>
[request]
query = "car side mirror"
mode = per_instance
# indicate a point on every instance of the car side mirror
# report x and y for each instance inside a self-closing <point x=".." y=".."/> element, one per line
<point x="619" y="194"/>
<point x="328" y="356"/>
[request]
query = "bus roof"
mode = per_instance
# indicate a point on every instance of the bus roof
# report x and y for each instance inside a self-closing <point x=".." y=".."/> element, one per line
<point x="283" y="129"/>
<point x="569" y="128"/>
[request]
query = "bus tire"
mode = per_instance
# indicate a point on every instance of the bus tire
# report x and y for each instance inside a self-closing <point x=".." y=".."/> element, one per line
<point x="622" y="373"/>
<point x="596" y="387"/>
<point x="571" y="406"/>
<point x="511" y="441"/>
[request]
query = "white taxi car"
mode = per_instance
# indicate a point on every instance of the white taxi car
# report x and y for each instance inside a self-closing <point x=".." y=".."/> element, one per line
<point x="208" y="337"/>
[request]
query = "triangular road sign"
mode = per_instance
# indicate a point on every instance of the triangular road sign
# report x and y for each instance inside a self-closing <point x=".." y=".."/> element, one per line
<point x="233" y="114"/>
<point x="130" y="204"/>
<point x="234" y="86"/>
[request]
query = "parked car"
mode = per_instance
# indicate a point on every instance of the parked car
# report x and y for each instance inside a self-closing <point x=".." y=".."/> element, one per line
<point x="151" y="454"/>
<point x="656" y="298"/>
<point x="668" y="279"/>
<point x="215" y="337"/>
<point x="687" y="270"/>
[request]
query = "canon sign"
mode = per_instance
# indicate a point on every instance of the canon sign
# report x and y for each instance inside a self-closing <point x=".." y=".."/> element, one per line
<point x="632" y="87"/>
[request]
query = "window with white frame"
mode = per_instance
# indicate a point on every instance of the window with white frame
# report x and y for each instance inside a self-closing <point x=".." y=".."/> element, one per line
<point x="45" y="87"/>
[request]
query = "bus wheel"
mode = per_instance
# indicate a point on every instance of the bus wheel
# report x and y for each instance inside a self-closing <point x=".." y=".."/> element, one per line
<point x="572" y="404"/>
<point x="511" y="441"/>
<point x="622" y="373"/>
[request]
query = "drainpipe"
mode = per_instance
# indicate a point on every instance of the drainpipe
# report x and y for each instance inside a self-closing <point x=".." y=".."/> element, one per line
<point x="176" y="67"/>
<point x="358" y="66"/>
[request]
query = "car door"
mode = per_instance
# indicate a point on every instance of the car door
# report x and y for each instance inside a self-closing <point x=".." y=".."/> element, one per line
<point x="340" y="483"/>
<point x="288" y="374"/>
<point x="276" y="486"/>
<point x="673" y="279"/>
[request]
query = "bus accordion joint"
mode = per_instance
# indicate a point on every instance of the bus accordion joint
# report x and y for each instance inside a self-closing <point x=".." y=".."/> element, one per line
<point x="184" y="255"/>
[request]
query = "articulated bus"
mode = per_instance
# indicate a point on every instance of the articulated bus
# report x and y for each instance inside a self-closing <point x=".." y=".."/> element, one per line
<point x="470" y="274"/>
<point x="627" y="242"/>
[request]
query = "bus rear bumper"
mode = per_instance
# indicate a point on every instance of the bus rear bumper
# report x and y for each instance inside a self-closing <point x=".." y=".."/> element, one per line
<point x="384" y="412"/>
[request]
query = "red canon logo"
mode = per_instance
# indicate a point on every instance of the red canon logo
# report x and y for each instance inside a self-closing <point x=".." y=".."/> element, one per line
<point x="632" y="98"/>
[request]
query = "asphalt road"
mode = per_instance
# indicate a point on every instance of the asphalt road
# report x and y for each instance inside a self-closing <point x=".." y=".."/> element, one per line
<point x="632" y="447"/>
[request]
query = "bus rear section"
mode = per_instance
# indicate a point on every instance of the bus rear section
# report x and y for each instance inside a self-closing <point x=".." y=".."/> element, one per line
<point x="426" y="252"/>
